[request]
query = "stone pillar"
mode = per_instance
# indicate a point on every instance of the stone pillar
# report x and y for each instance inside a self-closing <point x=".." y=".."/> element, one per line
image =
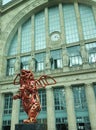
<point x="70" y="108"/>
<point x="47" y="28"/>
<point x="62" y="24"/>
<point x="17" y="65"/>
<point x="50" y="110"/>
<point x="90" y="96"/>
<point x="94" y="12"/>
<point x="17" y="62"/>
<point x="15" y="113"/>
<point x="80" y="31"/>
<point x="19" y="40"/>
<point x="65" y="58"/>
<point x="47" y="60"/>
<point x="33" y="39"/>
<point x="1" y="109"/>
<point x="32" y="63"/>
<point x="84" y="53"/>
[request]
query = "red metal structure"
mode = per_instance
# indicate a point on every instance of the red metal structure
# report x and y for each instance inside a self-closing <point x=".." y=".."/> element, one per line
<point x="28" y="92"/>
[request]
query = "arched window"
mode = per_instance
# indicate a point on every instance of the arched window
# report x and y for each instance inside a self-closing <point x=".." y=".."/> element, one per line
<point x="35" y="29"/>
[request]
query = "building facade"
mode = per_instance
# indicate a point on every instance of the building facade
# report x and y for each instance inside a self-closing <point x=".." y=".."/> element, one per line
<point x="57" y="38"/>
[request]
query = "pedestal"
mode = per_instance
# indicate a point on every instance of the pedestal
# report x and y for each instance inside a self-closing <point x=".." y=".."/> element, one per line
<point x="34" y="126"/>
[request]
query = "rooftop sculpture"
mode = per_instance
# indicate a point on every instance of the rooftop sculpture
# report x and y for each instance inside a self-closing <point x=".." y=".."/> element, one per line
<point x="28" y="92"/>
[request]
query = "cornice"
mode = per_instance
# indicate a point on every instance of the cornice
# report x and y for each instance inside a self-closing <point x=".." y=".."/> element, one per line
<point x="88" y="2"/>
<point x="12" y="4"/>
<point x="54" y="73"/>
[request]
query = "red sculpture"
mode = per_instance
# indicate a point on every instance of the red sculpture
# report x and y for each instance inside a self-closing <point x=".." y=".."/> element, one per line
<point x="28" y="92"/>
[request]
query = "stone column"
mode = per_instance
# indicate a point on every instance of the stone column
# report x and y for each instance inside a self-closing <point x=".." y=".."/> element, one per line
<point x="47" y="60"/>
<point x="50" y="110"/>
<point x="84" y="53"/>
<point x="70" y="108"/>
<point x="80" y="31"/>
<point x="15" y="113"/>
<point x="17" y="65"/>
<point x="17" y="62"/>
<point x="47" y="28"/>
<point x="65" y="57"/>
<point x="33" y="38"/>
<point x="19" y="40"/>
<point x="1" y="109"/>
<point x="94" y="11"/>
<point x="90" y="96"/>
<point x="62" y="24"/>
<point x="32" y="63"/>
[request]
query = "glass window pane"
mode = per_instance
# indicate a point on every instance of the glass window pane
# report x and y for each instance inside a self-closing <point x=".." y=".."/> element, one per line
<point x="54" y="19"/>
<point x="70" y="24"/>
<point x="74" y="56"/>
<point x="79" y="98"/>
<point x="8" y="104"/>
<point x="42" y="95"/>
<point x="26" y="37"/>
<point x="40" y="37"/>
<point x="25" y="62"/>
<point x="10" y="66"/>
<point x="13" y="45"/>
<point x="59" y="99"/>
<point x="56" y="59"/>
<point x="88" y="22"/>
<point x="40" y="61"/>
<point x="81" y="108"/>
<point x="91" y="49"/>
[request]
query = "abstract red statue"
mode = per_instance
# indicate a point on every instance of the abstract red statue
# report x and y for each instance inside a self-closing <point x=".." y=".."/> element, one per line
<point x="28" y="92"/>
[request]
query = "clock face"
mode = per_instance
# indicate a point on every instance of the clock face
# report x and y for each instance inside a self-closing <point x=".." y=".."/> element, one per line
<point x="55" y="37"/>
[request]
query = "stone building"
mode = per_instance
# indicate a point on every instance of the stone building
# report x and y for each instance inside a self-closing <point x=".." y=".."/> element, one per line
<point x="57" y="38"/>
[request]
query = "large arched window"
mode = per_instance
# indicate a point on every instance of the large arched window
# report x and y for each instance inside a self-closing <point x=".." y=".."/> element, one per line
<point x="37" y="30"/>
